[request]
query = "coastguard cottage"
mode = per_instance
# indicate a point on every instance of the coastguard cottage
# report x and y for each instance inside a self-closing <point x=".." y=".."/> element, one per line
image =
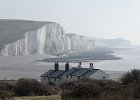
<point x="56" y="76"/>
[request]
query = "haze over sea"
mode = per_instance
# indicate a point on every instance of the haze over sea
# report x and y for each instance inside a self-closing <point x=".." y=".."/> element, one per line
<point x="115" y="61"/>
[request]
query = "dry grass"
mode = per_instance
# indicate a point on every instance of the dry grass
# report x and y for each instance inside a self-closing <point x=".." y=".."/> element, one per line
<point x="54" y="97"/>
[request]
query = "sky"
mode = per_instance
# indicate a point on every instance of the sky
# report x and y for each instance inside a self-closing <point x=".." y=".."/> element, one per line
<point x="92" y="18"/>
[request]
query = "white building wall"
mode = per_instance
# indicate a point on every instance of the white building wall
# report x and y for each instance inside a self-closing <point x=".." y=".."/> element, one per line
<point x="69" y="78"/>
<point x="97" y="75"/>
<point x="46" y="80"/>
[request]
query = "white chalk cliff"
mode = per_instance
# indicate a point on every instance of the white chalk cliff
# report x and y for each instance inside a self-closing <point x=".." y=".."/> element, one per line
<point x="46" y="38"/>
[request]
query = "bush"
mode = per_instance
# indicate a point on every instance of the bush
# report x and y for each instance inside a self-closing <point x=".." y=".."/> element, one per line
<point x="88" y="89"/>
<point x="4" y="95"/>
<point x="136" y="89"/>
<point x="51" y="90"/>
<point x="131" y="77"/>
<point x="84" y="88"/>
<point x="29" y="87"/>
<point x="5" y="86"/>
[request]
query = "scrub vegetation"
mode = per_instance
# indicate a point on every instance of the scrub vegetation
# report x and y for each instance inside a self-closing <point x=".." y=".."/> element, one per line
<point x="88" y="89"/>
<point x="25" y="87"/>
<point x="128" y="88"/>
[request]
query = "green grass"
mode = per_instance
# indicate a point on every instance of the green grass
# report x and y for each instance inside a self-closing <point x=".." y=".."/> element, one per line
<point x="54" y="97"/>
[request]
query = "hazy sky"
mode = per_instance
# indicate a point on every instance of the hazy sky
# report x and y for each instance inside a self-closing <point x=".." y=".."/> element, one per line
<point x="93" y="18"/>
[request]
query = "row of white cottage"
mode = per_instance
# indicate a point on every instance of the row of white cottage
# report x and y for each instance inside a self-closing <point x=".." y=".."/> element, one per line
<point x="56" y="76"/>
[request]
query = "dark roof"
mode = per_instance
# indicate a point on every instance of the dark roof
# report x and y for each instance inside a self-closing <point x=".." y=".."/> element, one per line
<point x="80" y="71"/>
<point x="57" y="74"/>
<point x="53" y="74"/>
<point x="47" y="73"/>
<point x="72" y="70"/>
<point x="85" y="72"/>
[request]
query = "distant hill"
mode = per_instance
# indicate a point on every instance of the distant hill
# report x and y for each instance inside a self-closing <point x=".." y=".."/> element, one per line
<point x="118" y="42"/>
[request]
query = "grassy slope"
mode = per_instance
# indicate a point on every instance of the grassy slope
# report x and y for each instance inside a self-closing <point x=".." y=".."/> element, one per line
<point x="12" y="30"/>
<point x="54" y="97"/>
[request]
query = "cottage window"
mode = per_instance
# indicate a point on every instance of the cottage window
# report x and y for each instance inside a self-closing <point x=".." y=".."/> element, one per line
<point x="44" y="78"/>
<point x="48" y="79"/>
<point x="71" y="76"/>
<point x="78" y="77"/>
<point x="104" y="77"/>
<point x="67" y="76"/>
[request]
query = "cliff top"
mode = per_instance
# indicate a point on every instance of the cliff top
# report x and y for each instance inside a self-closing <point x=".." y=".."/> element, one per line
<point x="12" y="30"/>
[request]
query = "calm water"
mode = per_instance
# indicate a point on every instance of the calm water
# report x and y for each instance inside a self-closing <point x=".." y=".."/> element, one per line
<point x="117" y="59"/>
<point x="130" y="60"/>
<point x="113" y="61"/>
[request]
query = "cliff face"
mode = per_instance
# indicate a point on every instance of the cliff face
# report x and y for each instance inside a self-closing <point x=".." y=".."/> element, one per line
<point x="48" y="39"/>
<point x="79" y="42"/>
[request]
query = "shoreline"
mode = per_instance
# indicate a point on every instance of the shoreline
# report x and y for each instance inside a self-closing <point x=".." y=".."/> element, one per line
<point x="96" y="54"/>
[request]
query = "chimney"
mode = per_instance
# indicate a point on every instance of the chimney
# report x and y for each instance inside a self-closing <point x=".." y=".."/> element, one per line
<point x="79" y="65"/>
<point x="91" y="66"/>
<point x="56" y="66"/>
<point x="67" y="66"/>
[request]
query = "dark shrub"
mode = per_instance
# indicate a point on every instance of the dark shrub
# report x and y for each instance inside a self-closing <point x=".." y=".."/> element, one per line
<point x="5" y="86"/>
<point x="4" y="95"/>
<point x="131" y="77"/>
<point x="84" y="88"/>
<point x="28" y="87"/>
<point x="88" y="89"/>
<point x="136" y="91"/>
<point x="51" y="90"/>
